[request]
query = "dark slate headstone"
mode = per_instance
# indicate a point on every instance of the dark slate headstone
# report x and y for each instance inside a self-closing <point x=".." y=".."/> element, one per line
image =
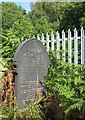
<point x="31" y="65"/>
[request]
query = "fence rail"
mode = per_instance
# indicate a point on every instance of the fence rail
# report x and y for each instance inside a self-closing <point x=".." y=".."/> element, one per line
<point x="70" y="48"/>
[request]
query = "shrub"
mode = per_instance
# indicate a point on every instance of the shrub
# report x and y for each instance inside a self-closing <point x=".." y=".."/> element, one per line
<point x="67" y="80"/>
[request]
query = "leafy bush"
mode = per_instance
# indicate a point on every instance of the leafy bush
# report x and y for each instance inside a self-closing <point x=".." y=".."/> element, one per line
<point x="68" y="81"/>
<point x="9" y="44"/>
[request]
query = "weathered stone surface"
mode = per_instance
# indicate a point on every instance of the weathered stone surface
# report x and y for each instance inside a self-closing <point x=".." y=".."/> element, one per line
<point x="31" y="65"/>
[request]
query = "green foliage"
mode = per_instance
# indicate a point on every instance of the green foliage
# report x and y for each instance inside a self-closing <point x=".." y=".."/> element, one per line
<point x="34" y="110"/>
<point x="44" y="17"/>
<point x="71" y="15"/>
<point x="8" y="112"/>
<point x="16" y="27"/>
<point x="43" y="26"/>
<point x="10" y="13"/>
<point x="64" y="79"/>
<point x="14" y="18"/>
<point x="23" y="28"/>
<point x="67" y="80"/>
<point x="3" y="67"/>
<point x="9" y="44"/>
<point x="59" y="15"/>
<point x="31" y="112"/>
<point x="82" y="19"/>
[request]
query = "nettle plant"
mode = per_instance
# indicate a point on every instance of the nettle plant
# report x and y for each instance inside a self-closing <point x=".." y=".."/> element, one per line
<point x="68" y="81"/>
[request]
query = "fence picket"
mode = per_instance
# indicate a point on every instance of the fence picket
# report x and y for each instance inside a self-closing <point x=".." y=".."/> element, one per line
<point x="63" y="45"/>
<point x="58" y="45"/>
<point x="47" y="42"/>
<point x="52" y="41"/>
<point x="42" y="38"/>
<point x="82" y="46"/>
<point x="33" y="36"/>
<point x="38" y="37"/>
<point x="69" y="47"/>
<point x="75" y="47"/>
<point x="70" y="40"/>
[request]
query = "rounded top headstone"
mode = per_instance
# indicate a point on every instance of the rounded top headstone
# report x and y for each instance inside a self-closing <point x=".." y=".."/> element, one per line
<point x="31" y="61"/>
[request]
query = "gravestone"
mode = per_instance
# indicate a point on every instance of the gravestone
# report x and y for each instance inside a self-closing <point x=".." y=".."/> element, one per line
<point x="31" y="65"/>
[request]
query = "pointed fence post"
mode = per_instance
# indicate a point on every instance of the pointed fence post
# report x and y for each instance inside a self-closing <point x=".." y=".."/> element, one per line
<point x="38" y="37"/>
<point x="69" y="47"/>
<point x="42" y="38"/>
<point x="58" y="45"/>
<point x="52" y="42"/>
<point x="75" y="47"/>
<point x="63" y="45"/>
<point x="82" y="47"/>
<point x="47" y="42"/>
<point x="33" y="36"/>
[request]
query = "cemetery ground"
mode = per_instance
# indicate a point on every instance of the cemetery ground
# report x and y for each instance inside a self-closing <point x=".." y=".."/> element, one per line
<point x="63" y="100"/>
<point x="65" y="86"/>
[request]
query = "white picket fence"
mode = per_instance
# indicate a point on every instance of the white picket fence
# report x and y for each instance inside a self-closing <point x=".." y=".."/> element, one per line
<point x="72" y="47"/>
